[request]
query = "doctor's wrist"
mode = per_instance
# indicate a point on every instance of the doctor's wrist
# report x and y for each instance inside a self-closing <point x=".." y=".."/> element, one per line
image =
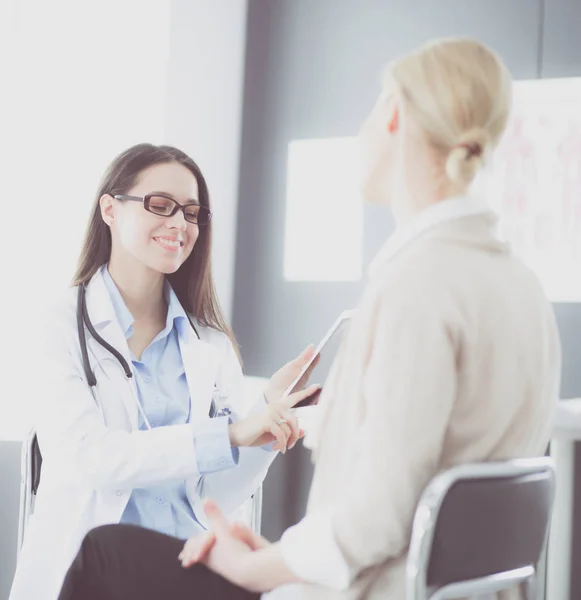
<point x="233" y="434"/>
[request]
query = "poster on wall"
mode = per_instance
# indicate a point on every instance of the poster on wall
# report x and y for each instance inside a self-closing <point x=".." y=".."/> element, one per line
<point x="534" y="183"/>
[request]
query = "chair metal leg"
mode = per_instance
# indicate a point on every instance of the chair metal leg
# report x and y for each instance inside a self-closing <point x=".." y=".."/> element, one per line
<point x="541" y="584"/>
<point x="530" y="588"/>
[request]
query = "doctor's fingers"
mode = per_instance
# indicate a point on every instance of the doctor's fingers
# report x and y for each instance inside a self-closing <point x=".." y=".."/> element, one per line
<point x="290" y="423"/>
<point x="304" y="357"/>
<point x="280" y="435"/>
<point x="292" y="399"/>
<point x="305" y="378"/>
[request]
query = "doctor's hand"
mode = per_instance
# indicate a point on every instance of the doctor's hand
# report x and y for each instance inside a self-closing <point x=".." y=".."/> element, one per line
<point x="274" y="423"/>
<point x="281" y="380"/>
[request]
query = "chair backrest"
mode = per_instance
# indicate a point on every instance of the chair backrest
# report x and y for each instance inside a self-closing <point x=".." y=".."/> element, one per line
<point x="30" y="468"/>
<point x="480" y="528"/>
<point x="256" y="517"/>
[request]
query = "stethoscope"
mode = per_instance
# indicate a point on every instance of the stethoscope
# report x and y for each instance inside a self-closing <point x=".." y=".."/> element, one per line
<point x="83" y="320"/>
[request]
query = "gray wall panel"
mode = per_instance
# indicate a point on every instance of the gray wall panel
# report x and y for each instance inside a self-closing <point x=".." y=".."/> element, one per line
<point x="561" y="56"/>
<point x="9" y="505"/>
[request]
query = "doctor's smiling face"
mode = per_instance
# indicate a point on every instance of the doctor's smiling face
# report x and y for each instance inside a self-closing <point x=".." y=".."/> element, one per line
<point x="140" y="230"/>
<point x="131" y="224"/>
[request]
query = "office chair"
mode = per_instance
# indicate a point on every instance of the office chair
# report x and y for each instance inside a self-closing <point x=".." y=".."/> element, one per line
<point x="481" y="528"/>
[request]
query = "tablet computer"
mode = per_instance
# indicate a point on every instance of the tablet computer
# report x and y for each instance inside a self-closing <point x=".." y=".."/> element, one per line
<point x="320" y="364"/>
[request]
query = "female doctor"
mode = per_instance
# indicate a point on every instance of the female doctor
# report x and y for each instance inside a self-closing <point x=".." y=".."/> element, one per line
<point x="138" y="422"/>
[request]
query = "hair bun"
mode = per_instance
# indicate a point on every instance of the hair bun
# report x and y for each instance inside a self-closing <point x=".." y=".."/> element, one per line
<point x="467" y="156"/>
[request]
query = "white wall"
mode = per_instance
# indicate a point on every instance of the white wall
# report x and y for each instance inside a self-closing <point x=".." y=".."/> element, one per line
<point x="79" y="83"/>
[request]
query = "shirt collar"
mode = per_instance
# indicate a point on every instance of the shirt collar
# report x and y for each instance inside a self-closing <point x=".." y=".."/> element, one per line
<point x="176" y="315"/>
<point x="442" y="212"/>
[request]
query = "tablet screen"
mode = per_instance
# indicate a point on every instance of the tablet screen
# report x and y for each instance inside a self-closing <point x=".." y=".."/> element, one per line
<point x="325" y="353"/>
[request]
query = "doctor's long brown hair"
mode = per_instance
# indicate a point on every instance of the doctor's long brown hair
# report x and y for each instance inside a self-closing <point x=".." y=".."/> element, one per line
<point x="192" y="282"/>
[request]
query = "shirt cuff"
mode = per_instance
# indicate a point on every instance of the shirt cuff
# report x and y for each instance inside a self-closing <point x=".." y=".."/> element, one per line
<point x="259" y="405"/>
<point x="212" y="446"/>
<point x="310" y="551"/>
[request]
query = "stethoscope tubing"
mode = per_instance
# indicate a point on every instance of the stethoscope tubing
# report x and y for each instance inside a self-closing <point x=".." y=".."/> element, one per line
<point x="83" y="321"/>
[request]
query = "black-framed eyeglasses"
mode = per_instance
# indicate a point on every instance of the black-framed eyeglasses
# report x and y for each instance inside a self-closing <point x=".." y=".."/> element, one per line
<point x="162" y="206"/>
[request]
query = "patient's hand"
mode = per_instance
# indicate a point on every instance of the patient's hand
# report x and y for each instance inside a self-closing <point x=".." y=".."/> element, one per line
<point x="236" y="553"/>
<point x="249" y="537"/>
<point x="197" y="548"/>
<point x="219" y="550"/>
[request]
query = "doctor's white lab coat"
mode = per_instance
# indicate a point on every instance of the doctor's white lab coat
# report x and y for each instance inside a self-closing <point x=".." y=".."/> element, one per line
<point x="93" y="452"/>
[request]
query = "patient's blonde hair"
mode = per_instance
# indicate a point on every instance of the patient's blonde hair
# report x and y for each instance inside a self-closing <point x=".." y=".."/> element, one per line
<point x="459" y="93"/>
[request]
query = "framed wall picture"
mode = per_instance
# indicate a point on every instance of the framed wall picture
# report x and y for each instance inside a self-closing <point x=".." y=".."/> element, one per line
<point x="534" y="183"/>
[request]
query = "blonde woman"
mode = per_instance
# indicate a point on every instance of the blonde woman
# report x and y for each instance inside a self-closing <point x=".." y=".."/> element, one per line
<point x="453" y="357"/>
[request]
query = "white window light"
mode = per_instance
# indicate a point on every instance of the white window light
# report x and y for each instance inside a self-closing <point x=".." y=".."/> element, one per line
<point x="78" y="99"/>
<point x="324" y="211"/>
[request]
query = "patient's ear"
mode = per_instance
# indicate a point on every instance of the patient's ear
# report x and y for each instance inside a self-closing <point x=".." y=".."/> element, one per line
<point x="393" y="118"/>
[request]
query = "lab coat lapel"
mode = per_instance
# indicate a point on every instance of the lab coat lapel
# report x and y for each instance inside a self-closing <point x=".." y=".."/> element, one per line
<point x="102" y="316"/>
<point x="201" y="363"/>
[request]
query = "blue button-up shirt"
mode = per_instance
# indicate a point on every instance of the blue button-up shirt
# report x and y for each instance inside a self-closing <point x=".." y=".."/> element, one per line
<point x="164" y="396"/>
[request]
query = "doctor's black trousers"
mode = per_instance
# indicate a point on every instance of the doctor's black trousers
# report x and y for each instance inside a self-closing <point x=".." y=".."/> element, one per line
<point x="125" y="562"/>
